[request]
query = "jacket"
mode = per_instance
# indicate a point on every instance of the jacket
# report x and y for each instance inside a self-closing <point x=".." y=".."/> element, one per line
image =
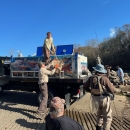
<point x="104" y="81"/>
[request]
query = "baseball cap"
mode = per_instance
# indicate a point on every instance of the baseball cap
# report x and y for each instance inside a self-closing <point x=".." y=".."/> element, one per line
<point x="56" y="102"/>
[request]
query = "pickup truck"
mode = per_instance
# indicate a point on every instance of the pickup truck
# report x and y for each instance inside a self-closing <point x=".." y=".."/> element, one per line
<point x="21" y="73"/>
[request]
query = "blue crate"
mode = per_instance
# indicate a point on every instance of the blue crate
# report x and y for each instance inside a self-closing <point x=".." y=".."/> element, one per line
<point x="60" y="50"/>
<point x="39" y="51"/>
<point x="64" y="49"/>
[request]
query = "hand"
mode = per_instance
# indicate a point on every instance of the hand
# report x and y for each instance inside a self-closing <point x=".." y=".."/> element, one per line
<point x="56" y="66"/>
<point x="51" y="52"/>
<point x="51" y="67"/>
<point x="112" y="96"/>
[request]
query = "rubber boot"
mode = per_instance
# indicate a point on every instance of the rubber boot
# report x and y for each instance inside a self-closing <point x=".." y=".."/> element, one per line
<point x="98" y="128"/>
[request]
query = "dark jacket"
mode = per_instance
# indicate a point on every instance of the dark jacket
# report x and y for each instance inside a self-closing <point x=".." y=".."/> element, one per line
<point x="104" y="81"/>
<point x="62" y="123"/>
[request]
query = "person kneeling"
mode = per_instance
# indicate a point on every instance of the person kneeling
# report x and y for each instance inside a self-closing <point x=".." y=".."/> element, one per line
<point x="56" y="120"/>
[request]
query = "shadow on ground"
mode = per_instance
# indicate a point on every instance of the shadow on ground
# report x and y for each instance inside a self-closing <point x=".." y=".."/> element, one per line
<point x="30" y="125"/>
<point x="18" y="97"/>
<point x="10" y="99"/>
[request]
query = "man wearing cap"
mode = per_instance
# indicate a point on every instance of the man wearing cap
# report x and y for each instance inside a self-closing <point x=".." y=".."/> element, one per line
<point x="108" y="68"/>
<point x="56" y="120"/>
<point x="43" y="80"/>
<point x="47" y="46"/>
<point x="104" y="112"/>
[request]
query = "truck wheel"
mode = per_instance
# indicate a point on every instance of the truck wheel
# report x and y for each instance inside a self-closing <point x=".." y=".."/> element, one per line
<point x="50" y="96"/>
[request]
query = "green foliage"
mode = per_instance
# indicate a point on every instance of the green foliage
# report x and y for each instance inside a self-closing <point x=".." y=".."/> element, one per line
<point x="113" y="51"/>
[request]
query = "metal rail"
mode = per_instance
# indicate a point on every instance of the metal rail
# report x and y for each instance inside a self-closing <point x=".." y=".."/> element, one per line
<point x="31" y="74"/>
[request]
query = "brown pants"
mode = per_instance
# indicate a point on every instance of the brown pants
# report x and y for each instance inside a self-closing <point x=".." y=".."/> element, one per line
<point x="46" y="55"/>
<point x="43" y="104"/>
<point x="108" y="73"/>
<point x="104" y="113"/>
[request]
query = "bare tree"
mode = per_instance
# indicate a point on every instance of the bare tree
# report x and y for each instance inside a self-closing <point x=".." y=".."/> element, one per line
<point x="11" y="52"/>
<point x="113" y="51"/>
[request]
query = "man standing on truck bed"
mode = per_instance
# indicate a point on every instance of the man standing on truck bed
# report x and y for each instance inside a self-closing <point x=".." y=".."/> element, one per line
<point x="47" y="46"/>
<point x="43" y="80"/>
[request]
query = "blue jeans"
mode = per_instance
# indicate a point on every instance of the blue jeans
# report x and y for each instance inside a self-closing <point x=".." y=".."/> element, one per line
<point x="121" y="79"/>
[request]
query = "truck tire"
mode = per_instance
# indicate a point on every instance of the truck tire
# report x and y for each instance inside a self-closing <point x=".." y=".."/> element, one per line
<point x="51" y="94"/>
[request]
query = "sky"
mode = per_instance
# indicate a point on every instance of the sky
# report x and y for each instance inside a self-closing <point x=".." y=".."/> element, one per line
<point x="24" y="23"/>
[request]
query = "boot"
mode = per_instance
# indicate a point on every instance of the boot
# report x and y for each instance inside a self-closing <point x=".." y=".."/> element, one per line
<point x="98" y="128"/>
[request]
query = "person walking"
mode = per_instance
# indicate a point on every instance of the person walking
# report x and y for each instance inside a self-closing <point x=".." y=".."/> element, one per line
<point x="48" y="48"/>
<point x="43" y="80"/>
<point x="108" y="68"/>
<point x="102" y="92"/>
<point x="56" y="120"/>
<point x="120" y="73"/>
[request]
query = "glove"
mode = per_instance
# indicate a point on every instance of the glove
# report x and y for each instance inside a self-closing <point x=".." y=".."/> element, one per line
<point x="112" y="96"/>
<point x="56" y="66"/>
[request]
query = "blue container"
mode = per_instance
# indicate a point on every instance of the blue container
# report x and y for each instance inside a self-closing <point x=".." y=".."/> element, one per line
<point x="64" y="49"/>
<point x="12" y="59"/>
<point x="39" y="51"/>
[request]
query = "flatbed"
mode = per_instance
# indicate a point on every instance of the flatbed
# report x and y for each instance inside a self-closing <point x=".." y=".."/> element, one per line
<point x="21" y="73"/>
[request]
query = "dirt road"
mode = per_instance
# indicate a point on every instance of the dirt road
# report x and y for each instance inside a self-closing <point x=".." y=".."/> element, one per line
<point x="17" y="110"/>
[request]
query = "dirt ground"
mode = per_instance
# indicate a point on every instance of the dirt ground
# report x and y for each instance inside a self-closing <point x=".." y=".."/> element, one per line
<point x="17" y="110"/>
<point x="119" y="105"/>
